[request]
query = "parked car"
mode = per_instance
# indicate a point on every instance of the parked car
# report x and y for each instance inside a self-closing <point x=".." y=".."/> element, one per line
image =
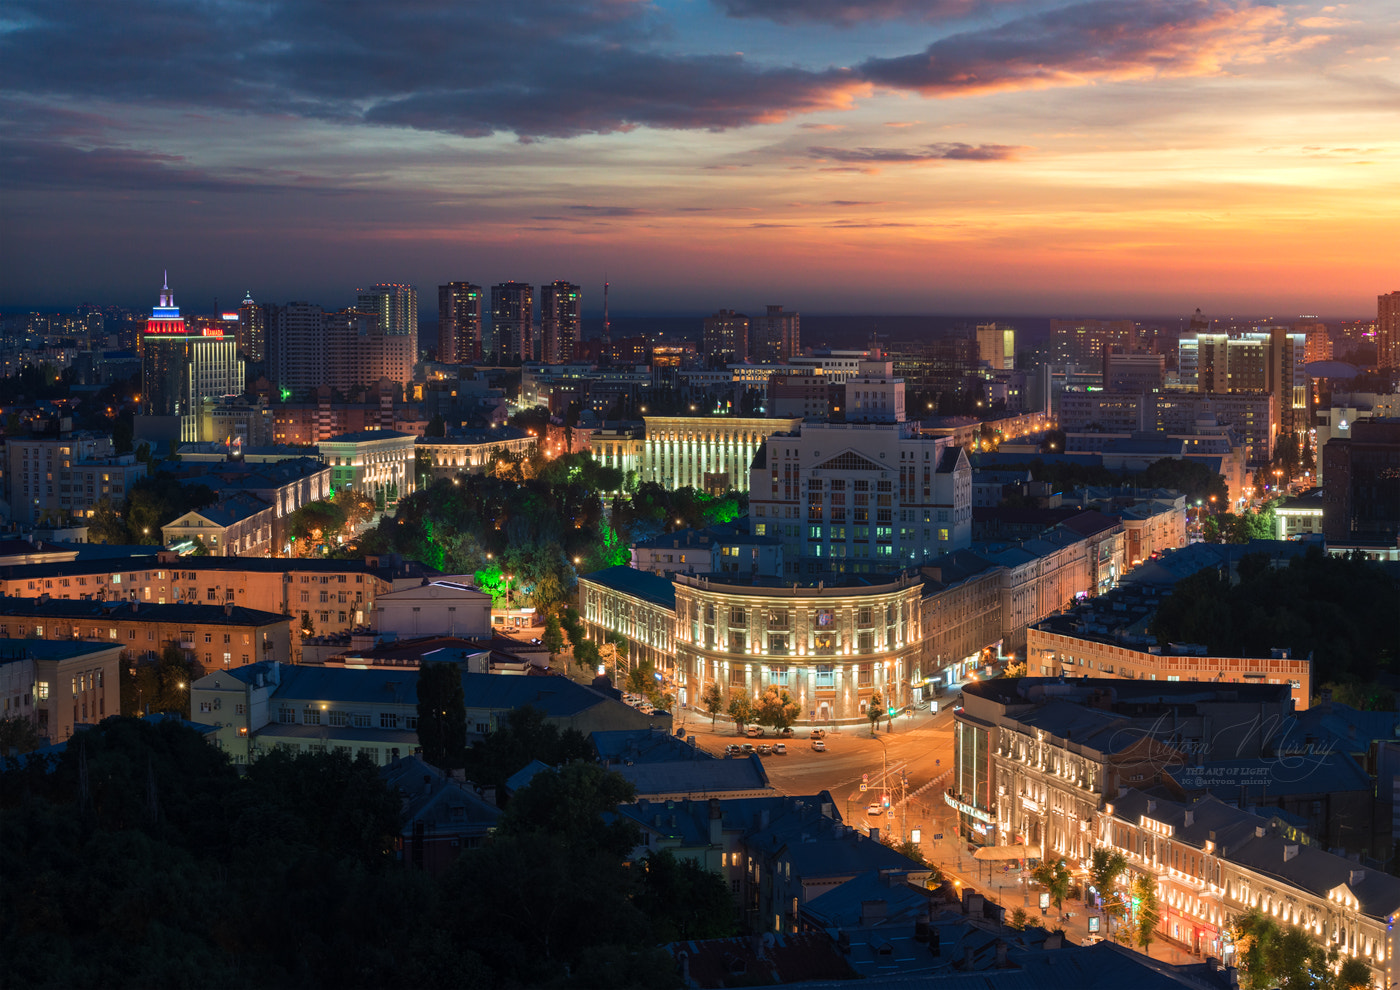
<point x="875" y="810"/>
<point x="747" y="749"/>
<point x="754" y="731"/>
<point x="764" y="749"/>
<point x="786" y="733"/>
<point x="818" y="733"/>
<point x="1091" y="939"/>
<point x="731" y="750"/>
<point x="818" y="746"/>
<point x="779" y="749"/>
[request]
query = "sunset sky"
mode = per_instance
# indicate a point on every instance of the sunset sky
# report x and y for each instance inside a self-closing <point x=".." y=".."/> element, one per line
<point x="946" y="156"/>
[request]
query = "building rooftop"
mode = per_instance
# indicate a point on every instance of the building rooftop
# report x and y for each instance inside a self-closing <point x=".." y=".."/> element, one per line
<point x="13" y="650"/>
<point x="361" y="436"/>
<point x="696" y="778"/>
<point x="181" y="612"/>
<point x="639" y="584"/>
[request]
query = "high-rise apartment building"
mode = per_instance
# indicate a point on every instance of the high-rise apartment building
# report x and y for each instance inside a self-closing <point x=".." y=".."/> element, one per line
<point x="459" y="322"/>
<point x="1083" y="342"/>
<point x="725" y="339"/>
<point x="775" y="337"/>
<point x="183" y="366"/>
<point x="1269" y="359"/>
<point x="996" y="346"/>
<point x="396" y="305"/>
<point x="252" y="329"/>
<point x="1319" y="341"/>
<point x="1388" y="330"/>
<point x="165" y="358"/>
<point x="561" y="306"/>
<point x="345" y="350"/>
<point x="296" y="348"/>
<point x="512" y="321"/>
<point x="860" y="498"/>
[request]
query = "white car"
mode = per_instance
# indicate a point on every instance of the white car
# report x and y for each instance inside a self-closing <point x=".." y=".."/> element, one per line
<point x="818" y="746"/>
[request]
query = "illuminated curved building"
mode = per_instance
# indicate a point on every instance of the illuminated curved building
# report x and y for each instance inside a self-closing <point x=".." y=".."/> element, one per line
<point x="832" y="649"/>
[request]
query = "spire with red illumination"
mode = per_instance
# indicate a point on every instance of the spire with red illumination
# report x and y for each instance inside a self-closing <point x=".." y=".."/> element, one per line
<point x="165" y="317"/>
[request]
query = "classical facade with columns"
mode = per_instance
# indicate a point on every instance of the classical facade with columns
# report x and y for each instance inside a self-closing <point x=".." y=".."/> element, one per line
<point x="709" y="453"/>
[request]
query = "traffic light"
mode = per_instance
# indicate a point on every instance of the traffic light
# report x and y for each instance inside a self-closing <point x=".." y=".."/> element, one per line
<point x="885" y="799"/>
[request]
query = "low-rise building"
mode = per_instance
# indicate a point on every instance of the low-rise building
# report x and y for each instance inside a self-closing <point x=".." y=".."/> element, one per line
<point x="474" y="451"/>
<point x="437" y="608"/>
<point x="59" y="686"/>
<point x="374" y="711"/>
<point x="238" y="526"/>
<point x="1300" y="516"/>
<point x="725" y="549"/>
<point x="334" y="595"/>
<point x="1036" y="758"/>
<point x="1213" y="862"/>
<point x="1107" y="637"/>
<point x="380" y="463"/>
<point x="56" y="478"/>
<point x="216" y="636"/>
<point x="442" y="815"/>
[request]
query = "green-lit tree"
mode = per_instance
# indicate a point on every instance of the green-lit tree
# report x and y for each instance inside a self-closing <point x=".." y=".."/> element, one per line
<point x="1105" y="867"/>
<point x="1144" y="890"/>
<point x="875" y="710"/>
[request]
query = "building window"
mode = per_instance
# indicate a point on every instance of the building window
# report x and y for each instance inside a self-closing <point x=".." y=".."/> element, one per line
<point x="388" y="720"/>
<point x="826" y="675"/>
<point x="338" y="718"/>
<point x="777" y="643"/>
<point x="362" y="720"/>
<point x="311" y="716"/>
<point x="286" y="716"/>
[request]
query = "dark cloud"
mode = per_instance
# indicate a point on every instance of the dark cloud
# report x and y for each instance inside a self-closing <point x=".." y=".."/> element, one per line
<point x="1090" y="42"/>
<point x="27" y="164"/>
<point x="952" y="151"/>
<point x="535" y="68"/>
<point x="610" y="211"/>
<point x="845" y="12"/>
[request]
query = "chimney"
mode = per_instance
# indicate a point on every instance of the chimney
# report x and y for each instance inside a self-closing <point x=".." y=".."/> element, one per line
<point x="871" y="913"/>
<point x="1190" y="817"/>
<point x="716" y="823"/>
<point x="875" y="832"/>
<point x="1355" y="877"/>
<point x="1002" y="962"/>
<point x="228" y="608"/>
<point x="1290" y="852"/>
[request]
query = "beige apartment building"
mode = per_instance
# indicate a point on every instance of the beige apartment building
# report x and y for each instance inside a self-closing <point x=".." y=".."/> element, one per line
<point x="1051" y="651"/>
<point x="218" y="637"/>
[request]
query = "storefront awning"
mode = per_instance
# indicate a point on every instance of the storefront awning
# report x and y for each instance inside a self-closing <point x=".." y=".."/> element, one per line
<point x="1003" y="852"/>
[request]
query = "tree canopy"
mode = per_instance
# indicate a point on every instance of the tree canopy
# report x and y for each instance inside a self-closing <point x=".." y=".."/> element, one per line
<point x="1318" y="605"/>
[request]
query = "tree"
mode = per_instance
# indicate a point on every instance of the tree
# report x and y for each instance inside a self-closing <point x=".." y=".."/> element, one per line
<point x="684" y="900"/>
<point x="18" y="736"/>
<point x="442" y="715"/>
<point x="105" y="525"/>
<point x="308" y="627"/>
<point x="1144" y="890"/>
<point x="874" y="710"/>
<point x="1105" y="867"/>
<point x="776" y="708"/>
<point x="1055" y="877"/>
<point x="575" y="805"/>
<point x="909" y="849"/>
<point x="740" y="710"/>
<point x="712" y="701"/>
<point x="1271" y="954"/>
<point x="1018" y="920"/>
<point x="553" y="636"/>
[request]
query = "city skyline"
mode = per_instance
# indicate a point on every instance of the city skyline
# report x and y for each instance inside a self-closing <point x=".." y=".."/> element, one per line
<point x="1011" y="158"/>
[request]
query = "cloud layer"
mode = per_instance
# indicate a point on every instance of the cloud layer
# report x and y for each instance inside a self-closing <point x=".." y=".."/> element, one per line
<point x="1100" y="41"/>
<point x="553" y="68"/>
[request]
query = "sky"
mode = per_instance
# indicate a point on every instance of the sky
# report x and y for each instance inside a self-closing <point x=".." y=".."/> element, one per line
<point x="887" y="156"/>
